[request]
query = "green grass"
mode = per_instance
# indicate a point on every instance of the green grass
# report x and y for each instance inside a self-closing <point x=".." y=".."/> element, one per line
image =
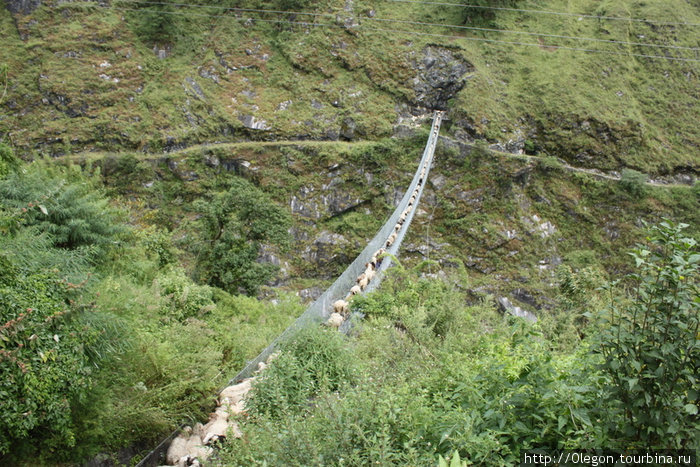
<point x="122" y="128"/>
<point x="594" y="109"/>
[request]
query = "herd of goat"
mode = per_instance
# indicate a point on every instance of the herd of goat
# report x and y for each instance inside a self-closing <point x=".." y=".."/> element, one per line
<point x="193" y="446"/>
<point x="341" y="308"/>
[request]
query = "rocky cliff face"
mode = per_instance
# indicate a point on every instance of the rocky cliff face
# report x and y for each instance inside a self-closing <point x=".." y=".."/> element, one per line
<point x="441" y="75"/>
<point x="22" y="6"/>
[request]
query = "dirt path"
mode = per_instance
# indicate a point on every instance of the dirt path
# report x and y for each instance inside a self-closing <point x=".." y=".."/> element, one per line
<point x="96" y="155"/>
<point x="565" y="166"/>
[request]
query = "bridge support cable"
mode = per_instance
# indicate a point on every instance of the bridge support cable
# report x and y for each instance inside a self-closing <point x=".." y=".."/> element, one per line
<point x="320" y="310"/>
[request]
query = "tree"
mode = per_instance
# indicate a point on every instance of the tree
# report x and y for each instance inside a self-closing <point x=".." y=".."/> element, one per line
<point x="156" y="22"/>
<point x="62" y="204"/>
<point x="650" y="347"/>
<point x="234" y="224"/>
<point x="481" y="12"/>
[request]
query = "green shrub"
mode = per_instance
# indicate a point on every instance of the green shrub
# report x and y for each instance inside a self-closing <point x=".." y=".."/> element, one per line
<point x="181" y="298"/>
<point x="483" y="387"/>
<point x="233" y="226"/>
<point x="633" y="182"/>
<point x="530" y="147"/>
<point x="158" y="244"/>
<point x="576" y="288"/>
<point x="46" y="363"/>
<point x="515" y="394"/>
<point x="314" y="360"/>
<point x="651" y="347"/>
<point x="549" y="164"/>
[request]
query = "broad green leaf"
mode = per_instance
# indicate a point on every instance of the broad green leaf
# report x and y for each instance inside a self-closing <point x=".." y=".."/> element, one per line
<point x="561" y="422"/>
<point x="632" y="382"/>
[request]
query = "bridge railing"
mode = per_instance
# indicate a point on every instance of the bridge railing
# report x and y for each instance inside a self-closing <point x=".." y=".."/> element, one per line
<point x="320" y="309"/>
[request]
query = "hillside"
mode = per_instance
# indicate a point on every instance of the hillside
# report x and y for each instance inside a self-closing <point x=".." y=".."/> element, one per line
<point x="84" y="77"/>
<point x="225" y="162"/>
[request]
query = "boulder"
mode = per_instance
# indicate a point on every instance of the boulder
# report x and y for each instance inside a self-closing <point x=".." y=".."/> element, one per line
<point x="441" y="75"/>
<point x="249" y="121"/>
<point x="23" y="7"/>
<point x="506" y="306"/>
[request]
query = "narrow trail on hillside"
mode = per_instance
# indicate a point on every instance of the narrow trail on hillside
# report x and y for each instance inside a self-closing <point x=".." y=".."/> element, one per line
<point x="566" y="166"/>
<point x="218" y="146"/>
<point x="96" y="155"/>
<point x="189" y="446"/>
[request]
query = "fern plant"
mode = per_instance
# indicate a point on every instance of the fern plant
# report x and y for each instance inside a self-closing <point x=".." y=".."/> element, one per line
<point x="63" y="205"/>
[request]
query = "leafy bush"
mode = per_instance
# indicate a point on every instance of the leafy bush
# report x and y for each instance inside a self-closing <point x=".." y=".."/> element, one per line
<point x="515" y="394"/>
<point x="633" y="182"/>
<point x="651" y="347"/>
<point x="577" y="288"/>
<point x="233" y="226"/>
<point x="483" y="387"/>
<point x="181" y="297"/>
<point x="158" y="244"/>
<point x="46" y="362"/>
<point x="313" y="361"/>
<point x="367" y="424"/>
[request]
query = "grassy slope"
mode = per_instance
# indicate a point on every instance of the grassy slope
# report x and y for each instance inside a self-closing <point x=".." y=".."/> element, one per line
<point x="646" y="104"/>
<point x="639" y="112"/>
<point x="595" y="220"/>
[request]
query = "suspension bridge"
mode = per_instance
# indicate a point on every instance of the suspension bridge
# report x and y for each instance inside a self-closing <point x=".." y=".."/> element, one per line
<point x="375" y="257"/>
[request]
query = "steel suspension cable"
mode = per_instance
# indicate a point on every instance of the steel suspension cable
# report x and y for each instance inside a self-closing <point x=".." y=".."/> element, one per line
<point x="451" y="26"/>
<point x="363" y="27"/>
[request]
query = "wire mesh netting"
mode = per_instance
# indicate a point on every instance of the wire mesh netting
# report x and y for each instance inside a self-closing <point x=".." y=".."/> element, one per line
<point x="321" y="309"/>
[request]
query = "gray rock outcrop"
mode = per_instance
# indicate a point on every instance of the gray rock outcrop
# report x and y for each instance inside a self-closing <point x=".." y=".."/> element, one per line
<point x="441" y="75"/>
<point x="23" y="7"/>
<point x="507" y="306"/>
<point x="249" y="121"/>
<point x="327" y="251"/>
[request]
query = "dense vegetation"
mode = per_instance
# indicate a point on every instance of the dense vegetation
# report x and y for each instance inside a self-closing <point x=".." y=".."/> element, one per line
<point x="426" y="375"/>
<point x="104" y="341"/>
<point x="173" y="179"/>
